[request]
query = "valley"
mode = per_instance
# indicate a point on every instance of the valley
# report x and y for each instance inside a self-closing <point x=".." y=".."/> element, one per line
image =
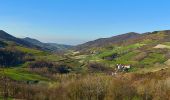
<point x="33" y="70"/>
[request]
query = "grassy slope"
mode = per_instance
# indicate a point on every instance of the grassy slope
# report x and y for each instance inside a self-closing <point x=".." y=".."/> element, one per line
<point x="21" y="74"/>
<point x="126" y="55"/>
<point x="31" y="51"/>
<point x="129" y="52"/>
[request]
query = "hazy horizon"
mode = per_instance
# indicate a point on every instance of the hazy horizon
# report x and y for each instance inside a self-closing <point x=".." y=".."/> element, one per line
<point x="75" y="22"/>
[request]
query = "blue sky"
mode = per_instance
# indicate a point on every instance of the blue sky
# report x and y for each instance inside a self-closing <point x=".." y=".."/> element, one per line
<point x="78" y="21"/>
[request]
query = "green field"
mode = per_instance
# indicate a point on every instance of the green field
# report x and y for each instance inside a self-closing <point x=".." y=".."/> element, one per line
<point x="21" y="74"/>
<point x="31" y="51"/>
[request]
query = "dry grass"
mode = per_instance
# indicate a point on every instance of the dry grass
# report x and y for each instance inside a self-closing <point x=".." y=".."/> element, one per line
<point x="130" y="86"/>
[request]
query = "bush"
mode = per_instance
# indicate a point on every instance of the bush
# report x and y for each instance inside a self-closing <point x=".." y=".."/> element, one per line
<point x="150" y="86"/>
<point x="41" y="64"/>
<point x="98" y="67"/>
<point x="45" y="66"/>
<point x="10" y="57"/>
<point x="62" y="69"/>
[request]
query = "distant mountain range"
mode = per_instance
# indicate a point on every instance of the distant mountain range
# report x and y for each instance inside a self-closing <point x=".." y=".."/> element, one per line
<point x="32" y="43"/>
<point x="53" y="47"/>
<point x="47" y="46"/>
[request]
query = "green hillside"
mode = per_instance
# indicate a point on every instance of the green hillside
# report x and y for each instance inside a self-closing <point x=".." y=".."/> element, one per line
<point x="34" y="74"/>
<point x="140" y="53"/>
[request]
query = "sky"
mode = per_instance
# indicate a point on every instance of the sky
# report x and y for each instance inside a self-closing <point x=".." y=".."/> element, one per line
<point x="77" y="21"/>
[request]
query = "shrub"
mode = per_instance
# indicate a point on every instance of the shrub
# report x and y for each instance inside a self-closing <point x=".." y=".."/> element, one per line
<point x="10" y="57"/>
<point x="98" y="67"/>
<point x="150" y="86"/>
<point x="41" y="64"/>
<point x="45" y="66"/>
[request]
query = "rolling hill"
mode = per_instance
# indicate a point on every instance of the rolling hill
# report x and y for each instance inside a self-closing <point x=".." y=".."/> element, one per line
<point x="31" y="43"/>
<point x="145" y="52"/>
<point x="5" y="37"/>
<point x="28" y="70"/>
<point x="106" y="41"/>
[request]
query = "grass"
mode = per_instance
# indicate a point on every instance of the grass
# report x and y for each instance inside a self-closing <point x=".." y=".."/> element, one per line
<point x="125" y="55"/>
<point x="31" y="51"/>
<point x="50" y="57"/>
<point x="152" y="59"/>
<point x="20" y="74"/>
<point x="98" y="86"/>
<point x="126" y="59"/>
<point x="167" y="43"/>
<point x="147" y="41"/>
<point x="149" y="69"/>
<point x="120" y="50"/>
<point x="2" y="98"/>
